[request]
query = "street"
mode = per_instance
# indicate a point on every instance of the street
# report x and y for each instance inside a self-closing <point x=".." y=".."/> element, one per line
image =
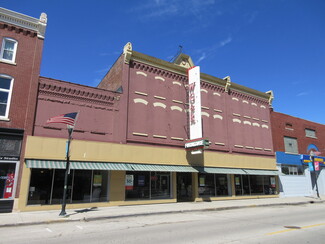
<point x="280" y="224"/>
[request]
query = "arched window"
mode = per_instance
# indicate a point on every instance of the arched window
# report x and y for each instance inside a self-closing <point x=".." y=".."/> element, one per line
<point x="8" y="50"/>
<point x="6" y="84"/>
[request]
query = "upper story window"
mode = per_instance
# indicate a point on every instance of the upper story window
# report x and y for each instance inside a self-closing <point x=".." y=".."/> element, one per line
<point x="8" y="50"/>
<point x="288" y="126"/>
<point x="6" y="83"/>
<point x="310" y="133"/>
<point x="290" y="145"/>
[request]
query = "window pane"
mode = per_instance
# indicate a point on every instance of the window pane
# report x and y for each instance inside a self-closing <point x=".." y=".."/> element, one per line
<point x="137" y="185"/>
<point x="285" y="169"/>
<point x="3" y="97"/>
<point x="7" y="176"/>
<point x="160" y="185"/>
<point x="8" y="55"/>
<point x="10" y="145"/>
<point x="58" y="186"/>
<point x="40" y="186"/>
<point x="100" y="186"/>
<point x="257" y="184"/>
<point x="206" y="185"/>
<point x="9" y="45"/>
<point x="3" y="108"/>
<point x="5" y="83"/>
<point x="81" y="186"/>
<point x="310" y="133"/>
<point x="222" y="185"/>
<point x="238" y="185"/>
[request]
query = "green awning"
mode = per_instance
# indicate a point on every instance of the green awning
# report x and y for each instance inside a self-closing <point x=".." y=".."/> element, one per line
<point x="52" y="164"/>
<point x="261" y="172"/>
<point x="211" y="170"/>
<point x="167" y="168"/>
<point x="48" y="164"/>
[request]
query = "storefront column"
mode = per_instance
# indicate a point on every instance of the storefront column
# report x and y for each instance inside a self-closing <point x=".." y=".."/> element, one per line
<point x="195" y="186"/>
<point x="233" y="189"/>
<point x="117" y="186"/>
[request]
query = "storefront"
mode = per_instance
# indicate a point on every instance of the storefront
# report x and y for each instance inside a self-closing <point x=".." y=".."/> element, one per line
<point x="10" y="146"/>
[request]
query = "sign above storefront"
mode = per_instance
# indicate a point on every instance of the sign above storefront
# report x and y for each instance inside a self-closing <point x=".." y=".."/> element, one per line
<point x="194" y="94"/>
<point x="9" y="158"/>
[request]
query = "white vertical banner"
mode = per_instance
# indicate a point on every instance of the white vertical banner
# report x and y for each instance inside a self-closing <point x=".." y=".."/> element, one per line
<point x="194" y="94"/>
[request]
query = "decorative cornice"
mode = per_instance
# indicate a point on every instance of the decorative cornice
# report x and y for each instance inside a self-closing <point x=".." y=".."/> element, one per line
<point x="138" y="58"/>
<point x="24" y="21"/>
<point x="68" y="90"/>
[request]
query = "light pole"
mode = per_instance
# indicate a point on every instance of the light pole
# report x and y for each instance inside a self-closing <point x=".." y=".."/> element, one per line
<point x="67" y="172"/>
<point x="312" y="158"/>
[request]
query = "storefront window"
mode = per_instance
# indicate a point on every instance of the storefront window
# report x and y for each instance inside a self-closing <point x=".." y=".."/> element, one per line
<point x="7" y="180"/>
<point x="46" y="186"/>
<point x="212" y="185"/>
<point x="255" y="184"/>
<point x="147" y="185"/>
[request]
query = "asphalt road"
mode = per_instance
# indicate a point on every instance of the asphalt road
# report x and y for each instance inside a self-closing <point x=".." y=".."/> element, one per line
<point x="285" y="224"/>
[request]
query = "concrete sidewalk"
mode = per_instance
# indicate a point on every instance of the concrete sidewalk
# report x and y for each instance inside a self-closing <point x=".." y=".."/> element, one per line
<point x="47" y="217"/>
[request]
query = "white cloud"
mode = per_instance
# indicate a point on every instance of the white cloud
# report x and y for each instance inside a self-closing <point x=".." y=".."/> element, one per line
<point x="302" y="94"/>
<point x="225" y="42"/>
<point x="203" y="56"/>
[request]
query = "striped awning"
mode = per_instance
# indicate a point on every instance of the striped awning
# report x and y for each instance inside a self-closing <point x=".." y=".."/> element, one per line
<point x="48" y="164"/>
<point x="261" y="172"/>
<point x="212" y="170"/>
<point x="154" y="167"/>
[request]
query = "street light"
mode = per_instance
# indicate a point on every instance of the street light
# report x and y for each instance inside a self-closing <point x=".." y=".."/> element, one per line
<point x="67" y="172"/>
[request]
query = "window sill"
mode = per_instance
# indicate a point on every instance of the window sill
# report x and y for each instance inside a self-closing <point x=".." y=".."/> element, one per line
<point x="4" y="119"/>
<point x="314" y="137"/>
<point x="7" y="62"/>
<point x="292" y="153"/>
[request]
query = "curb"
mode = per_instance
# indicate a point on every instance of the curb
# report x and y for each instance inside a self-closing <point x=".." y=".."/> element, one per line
<point x="87" y="219"/>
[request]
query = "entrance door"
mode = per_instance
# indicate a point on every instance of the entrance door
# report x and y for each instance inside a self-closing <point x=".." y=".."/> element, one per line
<point x="184" y="187"/>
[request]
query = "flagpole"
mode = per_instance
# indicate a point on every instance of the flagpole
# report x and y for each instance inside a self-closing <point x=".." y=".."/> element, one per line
<point x="67" y="169"/>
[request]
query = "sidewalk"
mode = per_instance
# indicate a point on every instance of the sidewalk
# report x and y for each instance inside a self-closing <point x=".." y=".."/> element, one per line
<point x="47" y="217"/>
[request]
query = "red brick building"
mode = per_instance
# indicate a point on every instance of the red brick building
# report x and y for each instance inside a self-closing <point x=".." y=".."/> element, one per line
<point x="21" y="40"/>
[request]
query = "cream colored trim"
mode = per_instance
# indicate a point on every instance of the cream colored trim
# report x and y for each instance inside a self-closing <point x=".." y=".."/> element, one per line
<point x="140" y="100"/>
<point x="256" y="119"/>
<point x="158" y="136"/>
<point x="265" y="126"/>
<point x="254" y="104"/>
<point x="141" y="73"/>
<point x="217" y="110"/>
<point x="239" y="146"/>
<point x="159" y="78"/>
<point x="217" y="116"/>
<point x="204" y="90"/>
<point x="234" y="114"/>
<point x="244" y="101"/>
<point x="205" y="107"/>
<point x="176" y="101"/>
<point x="267" y="149"/>
<point x="205" y="114"/>
<point x="141" y="93"/>
<point x="158" y="104"/>
<point x="247" y="122"/>
<point x="258" y="148"/>
<point x="256" y="124"/>
<point x="161" y="98"/>
<point x="219" y="143"/>
<point x="176" y="108"/>
<point x="177" y="83"/>
<point x="236" y="121"/>
<point x="265" y="121"/>
<point x="235" y="99"/>
<point x="177" y="138"/>
<point x="249" y="147"/>
<point x="217" y="94"/>
<point x="262" y="106"/>
<point x="247" y="117"/>
<point x="139" y="134"/>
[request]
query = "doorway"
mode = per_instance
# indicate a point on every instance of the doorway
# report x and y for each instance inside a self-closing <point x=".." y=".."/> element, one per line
<point x="184" y="187"/>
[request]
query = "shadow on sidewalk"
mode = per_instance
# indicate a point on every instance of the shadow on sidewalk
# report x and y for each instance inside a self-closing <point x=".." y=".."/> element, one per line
<point x="85" y="210"/>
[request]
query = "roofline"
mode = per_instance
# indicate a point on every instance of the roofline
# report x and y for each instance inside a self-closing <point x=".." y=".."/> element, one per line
<point x="24" y="21"/>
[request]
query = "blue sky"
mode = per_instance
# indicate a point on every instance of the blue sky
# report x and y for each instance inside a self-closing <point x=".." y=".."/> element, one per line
<point x="266" y="45"/>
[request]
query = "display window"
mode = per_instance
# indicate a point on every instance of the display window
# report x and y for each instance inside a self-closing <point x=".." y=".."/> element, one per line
<point x="147" y="185"/>
<point x="46" y="186"/>
<point x="7" y="180"/>
<point x="255" y="185"/>
<point x="213" y="185"/>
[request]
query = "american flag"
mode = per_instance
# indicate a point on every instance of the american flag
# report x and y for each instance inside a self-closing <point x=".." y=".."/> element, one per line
<point x="68" y="119"/>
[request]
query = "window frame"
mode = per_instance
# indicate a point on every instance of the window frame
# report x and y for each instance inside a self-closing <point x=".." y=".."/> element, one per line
<point x="6" y="116"/>
<point x="285" y="147"/>
<point x="310" y="130"/>
<point x="13" y="60"/>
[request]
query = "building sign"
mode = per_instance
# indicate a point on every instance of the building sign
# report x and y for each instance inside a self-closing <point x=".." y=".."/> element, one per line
<point x="9" y="158"/>
<point x="316" y="166"/>
<point x="194" y="94"/>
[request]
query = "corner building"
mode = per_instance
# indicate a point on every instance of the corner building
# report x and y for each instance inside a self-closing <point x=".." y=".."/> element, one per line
<point x="21" y="43"/>
<point x="128" y="142"/>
